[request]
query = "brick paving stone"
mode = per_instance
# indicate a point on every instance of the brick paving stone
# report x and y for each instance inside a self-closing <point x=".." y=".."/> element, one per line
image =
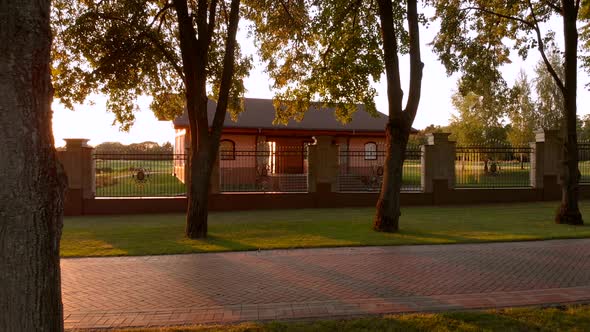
<point x="312" y="283"/>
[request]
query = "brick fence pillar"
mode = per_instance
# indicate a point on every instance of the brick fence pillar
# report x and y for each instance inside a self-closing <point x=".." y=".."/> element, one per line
<point x="545" y="163"/>
<point x="438" y="163"/>
<point x="79" y="167"/>
<point x="323" y="165"/>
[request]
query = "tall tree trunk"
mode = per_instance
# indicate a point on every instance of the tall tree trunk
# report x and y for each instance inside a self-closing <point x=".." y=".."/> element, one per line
<point x="569" y="211"/>
<point x="204" y="142"/>
<point x="31" y="182"/>
<point x="198" y="198"/>
<point x="388" y="204"/>
<point x="400" y="121"/>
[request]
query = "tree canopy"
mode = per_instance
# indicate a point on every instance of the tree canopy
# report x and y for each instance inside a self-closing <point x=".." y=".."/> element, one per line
<point x="124" y="49"/>
<point x="326" y="50"/>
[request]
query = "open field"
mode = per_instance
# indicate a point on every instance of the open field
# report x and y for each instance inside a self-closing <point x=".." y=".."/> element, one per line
<point x="572" y="318"/>
<point x="252" y="230"/>
<point x="137" y="178"/>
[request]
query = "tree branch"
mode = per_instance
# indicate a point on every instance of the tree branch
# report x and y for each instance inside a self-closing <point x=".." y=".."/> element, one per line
<point x="552" y="5"/>
<point x="211" y="25"/>
<point x="416" y="65"/>
<point x="168" y="55"/>
<point x="188" y="47"/>
<point x="541" y="48"/>
<point x="226" y="76"/>
<point x="146" y="33"/>
<point x="202" y="21"/>
<point x="167" y="6"/>
<point x="390" y="57"/>
<point x="534" y="26"/>
<point x="509" y="17"/>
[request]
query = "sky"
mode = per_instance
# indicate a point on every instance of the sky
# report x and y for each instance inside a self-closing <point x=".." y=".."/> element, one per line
<point x="92" y="121"/>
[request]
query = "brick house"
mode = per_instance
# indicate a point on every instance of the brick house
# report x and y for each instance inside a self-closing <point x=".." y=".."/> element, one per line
<point x="254" y="134"/>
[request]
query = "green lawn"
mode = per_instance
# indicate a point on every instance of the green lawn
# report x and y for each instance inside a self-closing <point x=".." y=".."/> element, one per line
<point x="163" y="234"/>
<point x="573" y="318"/>
<point x="509" y="174"/>
<point x="118" y="178"/>
<point x="154" y="185"/>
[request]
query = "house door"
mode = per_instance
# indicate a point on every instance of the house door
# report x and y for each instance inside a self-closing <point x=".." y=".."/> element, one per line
<point x="289" y="155"/>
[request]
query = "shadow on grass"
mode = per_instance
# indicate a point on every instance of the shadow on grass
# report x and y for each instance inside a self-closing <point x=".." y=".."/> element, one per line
<point x="251" y="230"/>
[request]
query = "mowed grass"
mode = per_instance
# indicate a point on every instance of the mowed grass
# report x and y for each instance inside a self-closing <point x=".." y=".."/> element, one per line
<point x="156" y="185"/>
<point x="508" y="174"/>
<point x="308" y="228"/>
<point x="118" y="178"/>
<point x="573" y="318"/>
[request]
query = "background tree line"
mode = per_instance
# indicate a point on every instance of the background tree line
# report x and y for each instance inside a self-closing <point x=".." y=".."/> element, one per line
<point x="511" y="115"/>
<point x="143" y="147"/>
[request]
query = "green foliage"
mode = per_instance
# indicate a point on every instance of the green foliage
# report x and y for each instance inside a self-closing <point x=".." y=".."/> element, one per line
<point x="584" y="128"/>
<point x="477" y="122"/>
<point x="143" y="147"/>
<point x="488" y="30"/>
<point x="550" y="98"/>
<point x="327" y="50"/>
<point x="420" y="138"/>
<point x="522" y="113"/>
<point x="127" y="48"/>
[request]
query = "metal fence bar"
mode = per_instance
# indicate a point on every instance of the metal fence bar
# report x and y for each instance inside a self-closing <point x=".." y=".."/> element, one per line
<point x="584" y="162"/>
<point x="269" y="169"/>
<point x="492" y="166"/>
<point x="138" y="175"/>
<point x="363" y="170"/>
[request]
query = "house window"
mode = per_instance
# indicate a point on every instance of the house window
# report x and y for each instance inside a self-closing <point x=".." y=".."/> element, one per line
<point x="227" y="149"/>
<point x="371" y="151"/>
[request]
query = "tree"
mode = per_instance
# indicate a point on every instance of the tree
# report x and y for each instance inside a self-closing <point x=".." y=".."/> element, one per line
<point x="487" y="30"/>
<point x="420" y="138"/>
<point x="550" y="98"/>
<point x="524" y="118"/>
<point x="33" y="185"/>
<point x="477" y="122"/>
<point x="331" y="51"/>
<point x="171" y="50"/>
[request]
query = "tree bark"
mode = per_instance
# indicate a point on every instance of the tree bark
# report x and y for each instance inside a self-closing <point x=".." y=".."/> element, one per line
<point x="32" y="183"/>
<point x="204" y="140"/>
<point x="388" y="204"/>
<point x="198" y="198"/>
<point x="400" y="121"/>
<point x="569" y="211"/>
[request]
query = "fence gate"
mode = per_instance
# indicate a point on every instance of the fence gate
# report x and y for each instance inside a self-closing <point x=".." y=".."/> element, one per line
<point x="492" y="165"/>
<point x="139" y="175"/>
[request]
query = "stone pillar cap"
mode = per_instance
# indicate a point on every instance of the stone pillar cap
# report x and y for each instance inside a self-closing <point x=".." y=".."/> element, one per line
<point x="437" y="138"/>
<point x="542" y="135"/>
<point x="76" y="143"/>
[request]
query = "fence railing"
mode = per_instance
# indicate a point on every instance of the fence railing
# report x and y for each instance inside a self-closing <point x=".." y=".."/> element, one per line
<point x="584" y="162"/>
<point x="492" y="166"/>
<point x="269" y="169"/>
<point x="363" y="170"/>
<point x="138" y="175"/>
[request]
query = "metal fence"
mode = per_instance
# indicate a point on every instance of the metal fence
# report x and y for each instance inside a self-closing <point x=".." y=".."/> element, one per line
<point x="492" y="166"/>
<point x="268" y="168"/>
<point x="360" y="171"/>
<point x="584" y="161"/>
<point x="138" y="175"/>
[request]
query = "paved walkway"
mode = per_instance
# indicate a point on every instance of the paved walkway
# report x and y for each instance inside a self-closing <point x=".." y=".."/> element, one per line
<point x="315" y="283"/>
